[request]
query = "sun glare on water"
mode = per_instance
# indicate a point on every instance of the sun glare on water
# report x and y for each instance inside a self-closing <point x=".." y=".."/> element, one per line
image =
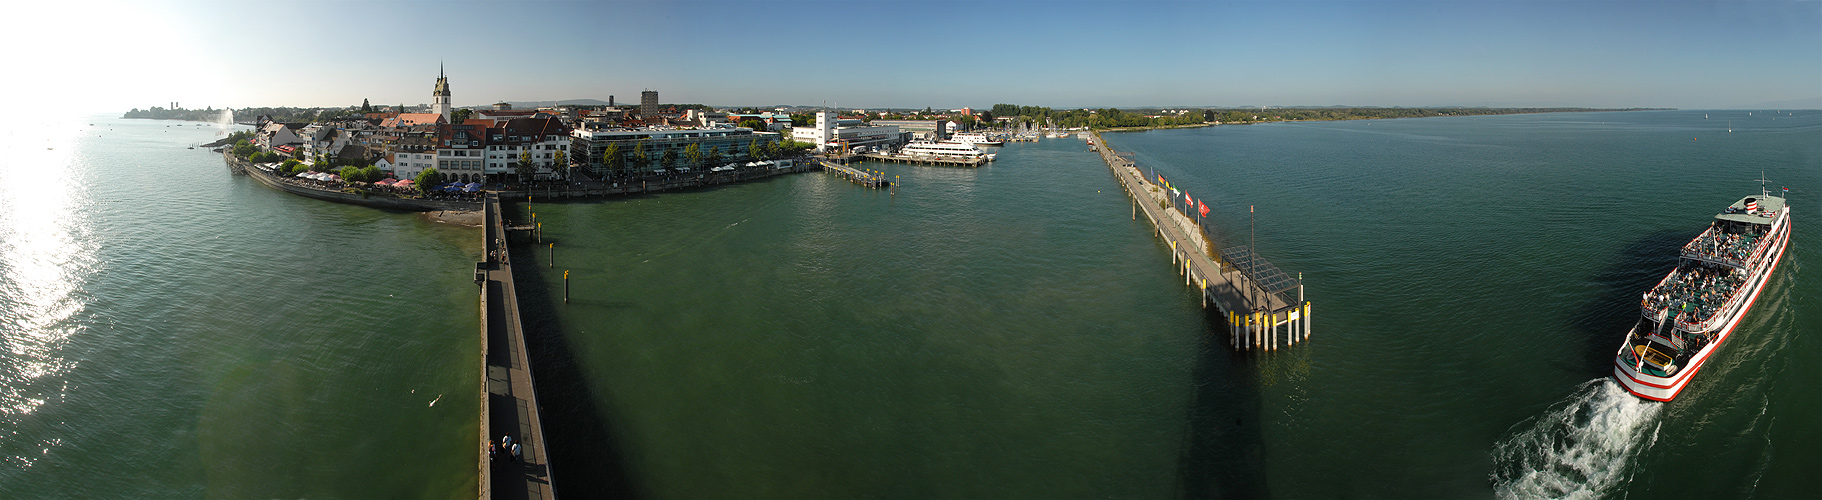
<point x="46" y="258"/>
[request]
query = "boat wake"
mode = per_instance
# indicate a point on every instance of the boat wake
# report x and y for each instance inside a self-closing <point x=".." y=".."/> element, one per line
<point x="1581" y="448"/>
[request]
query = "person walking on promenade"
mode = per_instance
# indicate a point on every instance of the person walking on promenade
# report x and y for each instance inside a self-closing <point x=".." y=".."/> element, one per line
<point x="491" y="451"/>
<point x="515" y="452"/>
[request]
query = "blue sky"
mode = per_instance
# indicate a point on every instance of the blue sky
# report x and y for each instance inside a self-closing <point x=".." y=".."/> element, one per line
<point x="930" y="53"/>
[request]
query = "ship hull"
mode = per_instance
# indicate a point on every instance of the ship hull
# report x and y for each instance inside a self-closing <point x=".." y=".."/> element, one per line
<point x="1657" y="388"/>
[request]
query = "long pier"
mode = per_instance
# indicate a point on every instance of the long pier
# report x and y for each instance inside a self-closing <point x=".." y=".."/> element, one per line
<point x="874" y="180"/>
<point x="1252" y="295"/>
<point x="509" y="403"/>
<point x="927" y="160"/>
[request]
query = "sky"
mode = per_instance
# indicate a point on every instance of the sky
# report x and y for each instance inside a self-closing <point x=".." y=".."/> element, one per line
<point x="110" y="56"/>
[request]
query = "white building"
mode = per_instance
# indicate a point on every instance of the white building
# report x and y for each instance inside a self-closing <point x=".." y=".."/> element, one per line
<point x="542" y="138"/>
<point x="830" y="132"/>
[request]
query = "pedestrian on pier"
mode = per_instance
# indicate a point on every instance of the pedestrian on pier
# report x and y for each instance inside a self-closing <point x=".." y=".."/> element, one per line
<point x="506" y="441"/>
<point x="515" y="452"/>
<point x="491" y="451"/>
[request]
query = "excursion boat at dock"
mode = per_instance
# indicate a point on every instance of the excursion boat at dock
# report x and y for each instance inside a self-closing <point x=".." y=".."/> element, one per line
<point x="1689" y="313"/>
<point x="944" y="150"/>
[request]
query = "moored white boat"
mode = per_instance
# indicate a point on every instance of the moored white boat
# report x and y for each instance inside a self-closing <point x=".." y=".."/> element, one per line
<point x="942" y="150"/>
<point x="1693" y="310"/>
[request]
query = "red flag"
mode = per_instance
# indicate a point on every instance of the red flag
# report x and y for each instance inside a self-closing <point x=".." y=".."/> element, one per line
<point x="1202" y="207"/>
<point x="1187" y="200"/>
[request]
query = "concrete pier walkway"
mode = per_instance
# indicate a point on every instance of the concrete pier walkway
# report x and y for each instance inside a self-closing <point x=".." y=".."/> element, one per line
<point x="510" y="405"/>
<point x="1258" y="315"/>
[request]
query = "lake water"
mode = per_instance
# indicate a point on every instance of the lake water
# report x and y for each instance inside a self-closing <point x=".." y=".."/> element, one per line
<point x="169" y="330"/>
<point x="1008" y="331"/>
<point x="1011" y="331"/>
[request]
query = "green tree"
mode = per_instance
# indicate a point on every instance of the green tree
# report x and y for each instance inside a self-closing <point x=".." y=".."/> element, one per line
<point x="290" y="166"/>
<point x="753" y="150"/>
<point x="752" y="123"/>
<point x="460" y="115"/>
<point x="561" y="163"/>
<point x="714" y="156"/>
<point x="640" y="159"/>
<point x="245" y="149"/>
<point x="365" y="107"/>
<point x="610" y="158"/>
<point x="770" y="150"/>
<point x="693" y="153"/>
<point x="429" y="178"/>
<point x="669" y="157"/>
<point x="525" y="168"/>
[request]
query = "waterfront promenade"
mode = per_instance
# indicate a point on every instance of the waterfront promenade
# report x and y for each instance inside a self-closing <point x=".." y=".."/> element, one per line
<point x="587" y="189"/>
<point x="1258" y="314"/>
<point x="510" y="402"/>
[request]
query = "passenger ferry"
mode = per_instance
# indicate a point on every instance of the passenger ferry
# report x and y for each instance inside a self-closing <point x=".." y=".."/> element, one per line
<point x="943" y="149"/>
<point x="1694" y="308"/>
<point x="978" y="139"/>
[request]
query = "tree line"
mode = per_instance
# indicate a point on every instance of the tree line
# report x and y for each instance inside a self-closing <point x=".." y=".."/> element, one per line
<point x="1106" y="118"/>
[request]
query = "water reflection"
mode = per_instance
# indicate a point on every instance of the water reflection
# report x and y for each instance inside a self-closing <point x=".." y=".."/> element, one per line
<point x="46" y="257"/>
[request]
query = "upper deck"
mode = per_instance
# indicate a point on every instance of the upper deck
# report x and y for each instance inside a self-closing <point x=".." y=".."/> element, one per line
<point x="1760" y="209"/>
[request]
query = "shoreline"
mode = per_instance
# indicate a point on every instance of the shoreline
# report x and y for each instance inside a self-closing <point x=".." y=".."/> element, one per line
<point x="1494" y="112"/>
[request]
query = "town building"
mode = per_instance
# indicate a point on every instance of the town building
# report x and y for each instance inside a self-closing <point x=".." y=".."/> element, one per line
<point x="412" y="154"/>
<point x="274" y="135"/>
<point x="589" y="142"/>
<point x="933" y="130"/>
<point x="546" y="140"/>
<point x="832" y="132"/>
<point x="460" y="152"/>
<point x="648" y="106"/>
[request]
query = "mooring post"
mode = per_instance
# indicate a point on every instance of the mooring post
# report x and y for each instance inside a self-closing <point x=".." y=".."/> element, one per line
<point x="566" y="286"/>
<point x="553" y="257"/>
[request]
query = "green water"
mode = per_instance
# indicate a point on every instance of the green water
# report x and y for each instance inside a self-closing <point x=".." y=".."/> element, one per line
<point x="1011" y="332"/>
<point x="171" y="331"/>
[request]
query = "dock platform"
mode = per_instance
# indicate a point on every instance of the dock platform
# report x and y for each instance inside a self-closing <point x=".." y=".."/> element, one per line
<point x="874" y="180"/>
<point x="510" y="401"/>
<point x="1263" y="307"/>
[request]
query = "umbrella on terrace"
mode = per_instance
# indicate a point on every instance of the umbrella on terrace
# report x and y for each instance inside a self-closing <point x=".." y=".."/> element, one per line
<point x="472" y="187"/>
<point x="385" y="182"/>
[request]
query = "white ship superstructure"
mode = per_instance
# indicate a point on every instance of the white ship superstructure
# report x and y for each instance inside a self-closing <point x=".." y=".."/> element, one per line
<point x="943" y="149"/>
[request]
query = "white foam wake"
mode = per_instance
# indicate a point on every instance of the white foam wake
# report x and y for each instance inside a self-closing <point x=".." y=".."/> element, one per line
<point x="1581" y="448"/>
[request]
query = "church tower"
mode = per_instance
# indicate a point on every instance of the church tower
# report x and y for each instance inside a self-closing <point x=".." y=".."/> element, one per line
<point x="439" y="98"/>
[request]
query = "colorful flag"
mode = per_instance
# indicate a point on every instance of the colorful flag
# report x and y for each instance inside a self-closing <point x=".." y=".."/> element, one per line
<point x="1187" y="200"/>
<point x="1202" y="207"/>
